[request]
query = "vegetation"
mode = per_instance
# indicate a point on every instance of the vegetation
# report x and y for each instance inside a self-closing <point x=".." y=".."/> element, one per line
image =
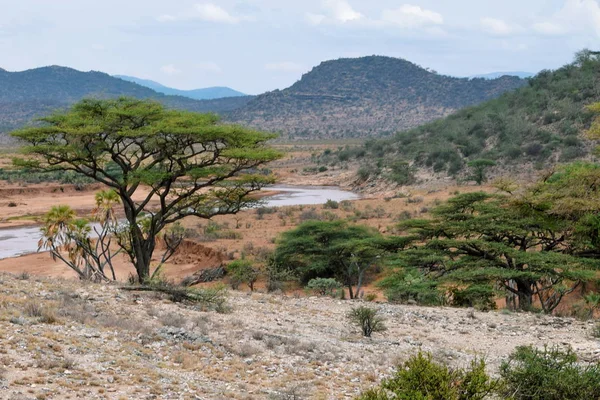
<point x="191" y="164"/>
<point x="420" y="378"/>
<point x="366" y="96"/>
<point x="331" y="249"/>
<point x="324" y="286"/>
<point x="540" y="123"/>
<point x="480" y="240"/>
<point x="242" y="271"/>
<point x="367" y="319"/>
<point x="549" y="374"/>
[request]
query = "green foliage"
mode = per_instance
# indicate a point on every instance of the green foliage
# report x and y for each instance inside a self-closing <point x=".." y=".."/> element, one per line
<point x="324" y="286"/>
<point x="481" y="297"/>
<point x="411" y="285"/>
<point x="479" y="240"/>
<point x="402" y="173"/>
<point x="242" y="271"/>
<point x="367" y="319"/>
<point x="479" y="167"/>
<point x="193" y="164"/>
<point x="332" y="249"/>
<point x="549" y="374"/>
<point x="545" y="117"/>
<point x="332" y="204"/>
<point x="420" y="378"/>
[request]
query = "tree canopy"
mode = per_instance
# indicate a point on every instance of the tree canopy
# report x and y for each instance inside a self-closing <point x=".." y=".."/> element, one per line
<point x="163" y="164"/>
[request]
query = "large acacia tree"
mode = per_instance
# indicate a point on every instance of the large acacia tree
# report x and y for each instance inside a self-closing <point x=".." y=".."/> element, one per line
<point x="163" y="164"/>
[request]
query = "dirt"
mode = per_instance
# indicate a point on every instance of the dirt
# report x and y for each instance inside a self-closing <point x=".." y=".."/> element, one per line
<point x="100" y="342"/>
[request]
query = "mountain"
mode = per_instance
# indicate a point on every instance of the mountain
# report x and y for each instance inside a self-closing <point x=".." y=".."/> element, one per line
<point x="364" y="97"/>
<point x="495" y="75"/>
<point x="536" y="126"/>
<point x="36" y="92"/>
<point x="210" y="93"/>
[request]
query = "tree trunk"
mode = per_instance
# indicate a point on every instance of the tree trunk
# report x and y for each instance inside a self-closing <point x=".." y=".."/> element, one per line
<point x="350" y="292"/>
<point x="525" y="294"/>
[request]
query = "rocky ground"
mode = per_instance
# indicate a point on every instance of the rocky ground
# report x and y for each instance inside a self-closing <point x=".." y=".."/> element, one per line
<point x="62" y="339"/>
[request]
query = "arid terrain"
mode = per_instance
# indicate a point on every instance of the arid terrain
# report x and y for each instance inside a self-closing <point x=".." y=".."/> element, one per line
<point x="65" y="340"/>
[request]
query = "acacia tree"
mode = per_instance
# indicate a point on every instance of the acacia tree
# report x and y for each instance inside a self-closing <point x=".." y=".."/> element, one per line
<point x="163" y="164"/>
<point x="479" y="167"/>
<point x="332" y="249"/>
<point x="477" y="238"/>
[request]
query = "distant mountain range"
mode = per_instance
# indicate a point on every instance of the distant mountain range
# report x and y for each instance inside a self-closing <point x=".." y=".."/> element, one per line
<point x="340" y="98"/>
<point x="495" y="75"/>
<point x="29" y="94"/>
<point x="209" y="93"/>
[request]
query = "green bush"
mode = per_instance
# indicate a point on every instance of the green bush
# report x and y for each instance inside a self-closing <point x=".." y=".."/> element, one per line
<point x="410" y="285"/>
<point x="324" y="286"/>
<point x="549" y="374"/>
<point x="420" y="378"/>
<point x="367" y="319"/>
<point x="332" y="204"/>
<point x="242" y="271"/>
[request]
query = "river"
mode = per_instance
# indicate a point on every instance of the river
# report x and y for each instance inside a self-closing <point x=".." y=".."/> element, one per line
<point x="16" y="242"/>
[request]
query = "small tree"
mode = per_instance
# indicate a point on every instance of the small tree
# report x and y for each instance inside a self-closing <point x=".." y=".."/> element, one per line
<point x="163" y="164"/>
<point x="242" y="271"/>
<point x="478" y="168"/>
<point x="367" y="319"/>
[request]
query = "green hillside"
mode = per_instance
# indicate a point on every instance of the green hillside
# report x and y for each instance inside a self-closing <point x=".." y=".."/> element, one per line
<point x="539" y="124"/>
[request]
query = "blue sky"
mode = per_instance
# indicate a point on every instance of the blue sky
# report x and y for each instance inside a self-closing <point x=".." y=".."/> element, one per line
<point x="260" y="45"/>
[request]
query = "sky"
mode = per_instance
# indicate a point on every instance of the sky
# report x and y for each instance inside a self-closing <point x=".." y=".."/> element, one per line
<point x="260" y="45"/>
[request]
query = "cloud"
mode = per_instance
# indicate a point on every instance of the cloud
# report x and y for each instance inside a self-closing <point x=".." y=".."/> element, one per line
<point x="209" y="67"/>
<point x="575" y="16"/>
<point x="549" y="28"/>
<point x="213" y="13"/>
<point x="170" y="69"/>
<point x="409" y="16"/>
<point x="285" y="66"/>
<point x="166" y="18"/>
<point x="341" y="10"/>
<point x="496" y="27"/>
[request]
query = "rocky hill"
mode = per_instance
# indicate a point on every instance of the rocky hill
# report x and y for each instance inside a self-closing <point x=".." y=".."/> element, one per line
<point x="533" y="127"/>
<point x="33" y="93"/>
<point x="216" y="92"/>
<point x="366" y="96"/>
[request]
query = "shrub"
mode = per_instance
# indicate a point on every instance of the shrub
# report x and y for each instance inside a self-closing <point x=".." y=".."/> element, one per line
<point x="242" y="271"/>
<point x="596" y="331"/>
<point x="549" y="374"/>
<point x="332" y="204"/>
<point x="324" y="286"/>
<point x="367" y="319"/>
<point x="420" y="378"/>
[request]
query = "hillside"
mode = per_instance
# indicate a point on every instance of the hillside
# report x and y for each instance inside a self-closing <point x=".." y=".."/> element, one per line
<point x="495" y="75"/>
<point x="533" y="127"/>
<point x="366" y="96"/>
<point x="209" y="93"/>
<point x="33" y="93"/>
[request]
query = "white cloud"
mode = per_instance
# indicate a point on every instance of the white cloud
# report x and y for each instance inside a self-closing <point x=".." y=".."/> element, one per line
<point x="315" y="19"/>
<point x="170" y="69"/>
<point x="213" y="13"/>
<point x="166" y="18"/>
<point x="496" y="27"/>
<point x="341" y="11"/>
<point x="209" y="67"/>
<point x="285" y="66"/>
<point x="409" y="16"/>
<point x="575" y="16"/>
<point x="549" y="28"/>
